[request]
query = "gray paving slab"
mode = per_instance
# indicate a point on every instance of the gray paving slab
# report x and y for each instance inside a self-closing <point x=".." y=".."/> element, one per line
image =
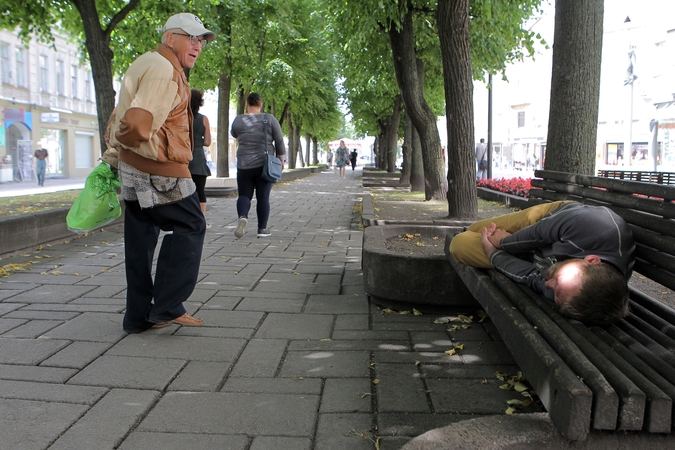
<point x="48" y="392"/>
<point x="28" y="351"/>
<point x="178" y="347"/>
<point x="237" y="319"/>
<point x="32" y="329"/>
<point x="41" y="315"/>
<point x="235" y="333"/>
<point x="51" y="293"/>
<point x="347" y="395"/>
<point x="345" y="431"/>
<point x="229" y="412"/>
<point x="94" y="327"/>
<point x="295" y="326"/>
<point x="36" y="373"/>
<point x="8" y="324"/>
<point x="276" y="304"/>
<point x="33" y="425"/>
<point x="200" y="376"/>
<point x="129" y="373"/>
<point x="298" y="385"/>
<point x="337" y="304"/>
<point x="108" y="422"/>
<point x="8" y="307"/>
<point x="401" y="389"/>
<point x="184" y="441"/>
<point x="260" y="358"/>
<point x="280" y="443"/>
<point x="407" y="424"/>
<point x="77" y="355"/>
<point x="326" y="364"/>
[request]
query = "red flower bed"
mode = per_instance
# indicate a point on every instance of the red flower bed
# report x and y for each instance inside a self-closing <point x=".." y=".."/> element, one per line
<point x="514" y="186"/>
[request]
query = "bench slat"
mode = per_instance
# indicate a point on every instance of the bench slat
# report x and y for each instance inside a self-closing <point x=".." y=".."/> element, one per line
<point x="648" y="342"/>
<point x="567" y="399"/>
<point x="652" y="305"/>
<point x="659" y="390"/>
<point x="642" y="325"/>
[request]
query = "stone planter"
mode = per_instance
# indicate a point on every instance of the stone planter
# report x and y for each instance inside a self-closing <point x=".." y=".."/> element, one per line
<point x="418" y="280"/>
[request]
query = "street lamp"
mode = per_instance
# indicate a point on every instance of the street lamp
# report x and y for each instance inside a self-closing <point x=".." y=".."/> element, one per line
<point x="629" y="80"/>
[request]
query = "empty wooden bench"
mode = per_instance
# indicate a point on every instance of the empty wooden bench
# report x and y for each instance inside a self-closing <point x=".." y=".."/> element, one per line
<point x="620" y="377"/>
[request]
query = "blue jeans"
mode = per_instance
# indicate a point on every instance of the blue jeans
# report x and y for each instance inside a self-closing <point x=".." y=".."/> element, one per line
<point x="249" y="180"/>
<point x="41" y="168"/>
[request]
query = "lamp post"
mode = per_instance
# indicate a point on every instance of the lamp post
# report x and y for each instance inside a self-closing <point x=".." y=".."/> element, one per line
<point x="629" y="80"/>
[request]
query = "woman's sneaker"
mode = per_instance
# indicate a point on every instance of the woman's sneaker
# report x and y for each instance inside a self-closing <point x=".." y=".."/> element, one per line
<point x="264" y="232"/>
<point x="241" y="225"/>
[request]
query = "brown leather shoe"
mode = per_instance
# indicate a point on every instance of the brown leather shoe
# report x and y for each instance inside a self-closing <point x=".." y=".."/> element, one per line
<point x="188" y="321"/>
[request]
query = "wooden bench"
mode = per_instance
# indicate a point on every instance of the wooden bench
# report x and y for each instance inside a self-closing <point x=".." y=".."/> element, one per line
<point x="620" y="377"/>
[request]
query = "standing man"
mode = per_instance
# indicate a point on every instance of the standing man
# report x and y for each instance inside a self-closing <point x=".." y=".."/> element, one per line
<point x="41" y="156"/>
<point x="352" y="158"/>
<point x="481" y="160"/>
<point x="153" y="133"/>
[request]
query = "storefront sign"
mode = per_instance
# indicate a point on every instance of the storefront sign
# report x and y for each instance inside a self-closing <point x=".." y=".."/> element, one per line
<point x="50" y="117"/>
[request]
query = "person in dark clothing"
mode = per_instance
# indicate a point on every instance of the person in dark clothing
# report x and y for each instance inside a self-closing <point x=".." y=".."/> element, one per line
<point x="201" y="135"/>
<point x="352" y="158"/>
<point x="254" y="139"/>
<point x="551" y="249"/>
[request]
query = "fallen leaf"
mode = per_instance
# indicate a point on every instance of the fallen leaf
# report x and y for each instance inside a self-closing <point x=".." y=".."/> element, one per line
<point x="417" y="312"/>
<point x="511" y="410"/>
<point x="451" y="352"/>
<point x="376" y="381"/>
<point x="442" y="320"/>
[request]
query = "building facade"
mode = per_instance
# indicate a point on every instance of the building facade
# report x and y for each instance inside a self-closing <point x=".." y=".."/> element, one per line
<point x="47" y="101"/>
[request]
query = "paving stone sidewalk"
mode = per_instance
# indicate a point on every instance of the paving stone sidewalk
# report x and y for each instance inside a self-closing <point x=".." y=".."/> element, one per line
<point x="293" y="355"/>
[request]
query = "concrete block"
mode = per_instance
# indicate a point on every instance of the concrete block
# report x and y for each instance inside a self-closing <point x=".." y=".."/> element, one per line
<point x="295" y="326"/>
<point x="233" y="413"/>
<point x="144" y="440"/>
<point x="332" y="364"/>
<point x="178" y="347"/>
<point x="28" y="351"/>
<point x="108" y="422"/>
<point x="33" y="425"/>
<point x="129" y="373"/>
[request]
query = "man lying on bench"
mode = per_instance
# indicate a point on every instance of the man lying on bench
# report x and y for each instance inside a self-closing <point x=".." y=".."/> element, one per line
<point x="579" y="256"/>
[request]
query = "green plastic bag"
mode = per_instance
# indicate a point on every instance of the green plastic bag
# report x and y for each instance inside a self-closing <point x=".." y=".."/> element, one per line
<point x="97" y="205"/>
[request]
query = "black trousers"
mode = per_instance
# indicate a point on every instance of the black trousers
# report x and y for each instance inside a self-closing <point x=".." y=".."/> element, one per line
<point x="149" y="301"/>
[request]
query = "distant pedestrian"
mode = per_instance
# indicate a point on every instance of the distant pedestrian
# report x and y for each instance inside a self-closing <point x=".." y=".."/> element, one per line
<point x="481" y="160"/>
<point x="352" y="158"/>
<point x="329" y="159"/>
<point x="41" y="156"/>
<point x="254" y="139"/>
<point x="341" y="159"/>
<point x="201" y="135"/>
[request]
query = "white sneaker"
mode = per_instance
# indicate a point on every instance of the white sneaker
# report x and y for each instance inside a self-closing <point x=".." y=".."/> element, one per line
<point x="241" y="225"/>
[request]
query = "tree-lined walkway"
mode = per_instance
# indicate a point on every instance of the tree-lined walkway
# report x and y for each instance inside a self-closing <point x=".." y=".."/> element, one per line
<point x="292" y="356"/>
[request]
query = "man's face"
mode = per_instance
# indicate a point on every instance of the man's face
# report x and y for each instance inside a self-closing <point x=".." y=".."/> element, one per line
<point x="186" y="52"/>
<point x="565" y="279"/>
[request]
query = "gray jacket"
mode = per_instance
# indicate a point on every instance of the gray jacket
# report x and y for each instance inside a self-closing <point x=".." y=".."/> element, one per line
<point x="248" y="130"/>
<point x="572" y="231"/>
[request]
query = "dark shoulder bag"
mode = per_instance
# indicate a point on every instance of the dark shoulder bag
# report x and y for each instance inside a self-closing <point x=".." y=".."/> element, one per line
<point x="272" y="168"/>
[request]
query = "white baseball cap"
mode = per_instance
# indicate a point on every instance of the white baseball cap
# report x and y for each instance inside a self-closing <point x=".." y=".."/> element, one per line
<point x="190" y="24"/>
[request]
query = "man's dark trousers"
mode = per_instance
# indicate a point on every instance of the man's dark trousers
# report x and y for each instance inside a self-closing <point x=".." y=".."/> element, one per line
<point x="177" y="264"/>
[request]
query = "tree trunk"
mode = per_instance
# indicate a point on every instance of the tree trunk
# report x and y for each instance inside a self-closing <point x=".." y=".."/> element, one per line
<point x="453" y="27"/>
<point x="406" y="149"/>
<point x="308" y="140"/>
<point x="391" y="133"/>
<point x="417" y="180"/>
<point x="291" y="140"/>
<point x="575" y="86"/>
<point x="315" y="150"/>
<point x="223" y="144"/>
<point x="298" y="146"/>
<point x="423" y="118"/>
<point x="97" y="42"/>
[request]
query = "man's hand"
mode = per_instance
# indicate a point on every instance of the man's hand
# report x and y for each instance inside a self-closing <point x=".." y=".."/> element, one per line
<point x="485" y="236"/>
<point x="497" y="235"/>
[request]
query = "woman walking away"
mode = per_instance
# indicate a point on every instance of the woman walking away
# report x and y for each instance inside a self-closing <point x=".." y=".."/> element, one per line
<point x="256" y="133"/>
<point x="202" y="137"/>
<point x="341" y="159"/>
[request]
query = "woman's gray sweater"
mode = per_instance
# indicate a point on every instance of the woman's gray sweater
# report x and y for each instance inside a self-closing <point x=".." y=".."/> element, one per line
<point x="248" y="130"/>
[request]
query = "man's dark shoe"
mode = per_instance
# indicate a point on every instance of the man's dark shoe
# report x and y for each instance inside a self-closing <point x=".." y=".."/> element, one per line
<point x="264" y="232"/>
